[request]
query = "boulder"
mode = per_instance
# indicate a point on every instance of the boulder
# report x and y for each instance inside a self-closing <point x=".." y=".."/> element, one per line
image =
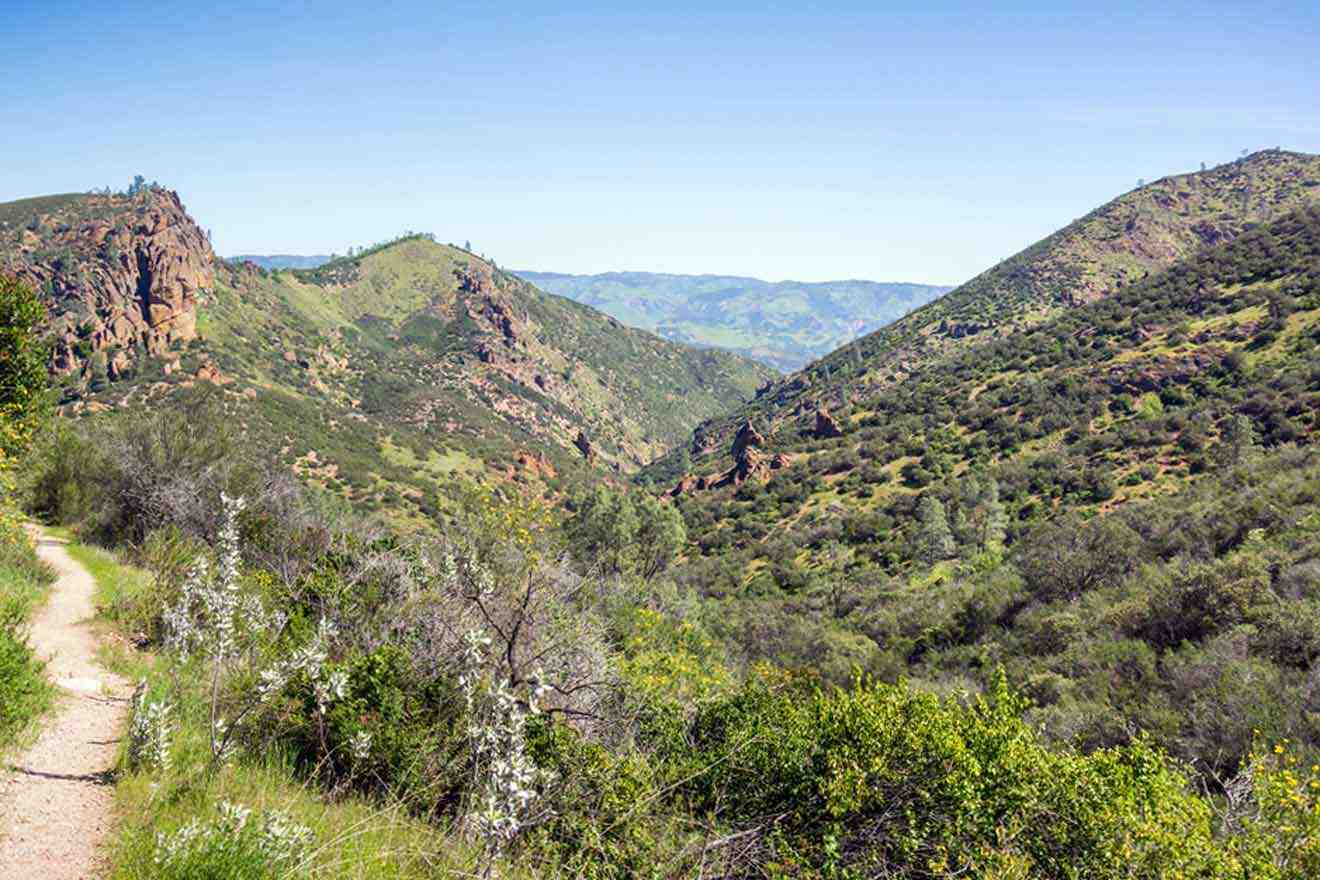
<point x="826" y="426"/>
<point x="584" y="445"/>
<point x="746" y="437"/>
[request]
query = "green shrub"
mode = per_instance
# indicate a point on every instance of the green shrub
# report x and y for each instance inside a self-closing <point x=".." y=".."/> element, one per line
<point x="24" y="691"/>
<point x="882" y="780"/>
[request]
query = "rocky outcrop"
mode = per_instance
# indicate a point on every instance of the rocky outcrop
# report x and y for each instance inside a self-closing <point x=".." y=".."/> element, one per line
<point x="825" y="426"/>
<point x="961" y="329"/>
<point x="209" y="372"/>
<point x="748" y="465"/>
<point x="746" y="437"/>
<point x="584" y="445"/>
<point x="537" y="465"/>
<point x="1154" y="374"/>
<point x="685" y="486"/>
<point x="119" y="274"/>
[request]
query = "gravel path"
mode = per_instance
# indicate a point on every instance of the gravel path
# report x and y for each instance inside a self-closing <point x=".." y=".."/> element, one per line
<point x="56" y="799"/>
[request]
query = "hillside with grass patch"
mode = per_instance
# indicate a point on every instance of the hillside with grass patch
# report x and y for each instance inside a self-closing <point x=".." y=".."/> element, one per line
<point x="1119" y="400"/>
<point x="1124" y="241"/>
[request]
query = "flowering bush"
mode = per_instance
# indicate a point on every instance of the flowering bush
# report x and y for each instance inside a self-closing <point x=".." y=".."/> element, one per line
<point x="213" y="616"/>
<point x="149" y="732"/>
<point x="234" y="846"/>
<point x="506" y="781"/>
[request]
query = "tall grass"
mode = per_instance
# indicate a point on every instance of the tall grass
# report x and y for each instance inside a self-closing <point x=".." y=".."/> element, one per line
<point x="24" y="691"/>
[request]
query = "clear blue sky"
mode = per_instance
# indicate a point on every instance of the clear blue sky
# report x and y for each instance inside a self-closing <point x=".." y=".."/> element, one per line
<point x="917" y="141"/>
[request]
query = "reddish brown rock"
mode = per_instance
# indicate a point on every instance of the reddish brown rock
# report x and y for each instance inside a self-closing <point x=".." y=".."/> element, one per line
<point x="583" y="444"/>
<point x="537" y="465"/>
<point x="749" y="464"/>
<point x="684" y="486"/>
<point x="114" y="271"/>
<point x="118" y="364"/>
<point x="826" y="426"/>
<point x="747" y="436"/>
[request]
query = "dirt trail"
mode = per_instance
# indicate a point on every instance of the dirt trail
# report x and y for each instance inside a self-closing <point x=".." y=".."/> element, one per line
<point x="56" y="799"/>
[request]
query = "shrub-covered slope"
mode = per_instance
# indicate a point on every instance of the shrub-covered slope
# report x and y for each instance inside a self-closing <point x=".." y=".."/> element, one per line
<point x="433" y="337"/>
<point x="1123" y="398"/>
<point x="1139" y="233"/>
<point x="784" y="324"/>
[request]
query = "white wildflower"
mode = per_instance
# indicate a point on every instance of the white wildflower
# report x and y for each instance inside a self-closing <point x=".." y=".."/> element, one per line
<point x="149" y="732"/>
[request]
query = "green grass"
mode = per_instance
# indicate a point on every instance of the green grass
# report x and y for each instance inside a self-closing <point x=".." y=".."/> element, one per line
<point x="116" y="583"/>
<point x="24" y="691"/>
<point x="353" y="839"/>
<point x="122" y="591"/>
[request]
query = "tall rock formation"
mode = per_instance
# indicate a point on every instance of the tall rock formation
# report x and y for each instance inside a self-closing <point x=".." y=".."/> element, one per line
<point x="120" y="274"/>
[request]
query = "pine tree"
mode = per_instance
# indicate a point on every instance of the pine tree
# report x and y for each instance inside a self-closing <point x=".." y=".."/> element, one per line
<point x="961" y="527"/>
<point x="661" y="534"/>
<point x="994" y="521"/>
<point x="934" y="539"/>
<point x="1240" y="442"/>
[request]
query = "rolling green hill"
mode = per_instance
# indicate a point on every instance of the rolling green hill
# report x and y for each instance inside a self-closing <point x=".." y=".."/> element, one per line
<point x="382" y="376"/>
<point x="420" y="332"/>
<point x="785" y="324"/>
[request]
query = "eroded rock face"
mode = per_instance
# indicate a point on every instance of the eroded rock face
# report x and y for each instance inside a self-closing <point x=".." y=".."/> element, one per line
<point x="826" y="426"/>
<point x="119" y="274"/>
<point x="747" y="436"/>
<point x="584" y="445"/>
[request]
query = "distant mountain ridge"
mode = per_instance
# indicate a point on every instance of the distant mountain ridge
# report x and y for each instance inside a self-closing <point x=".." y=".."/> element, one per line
<point x="786" y="324"/>
<point x="283" y="261"/>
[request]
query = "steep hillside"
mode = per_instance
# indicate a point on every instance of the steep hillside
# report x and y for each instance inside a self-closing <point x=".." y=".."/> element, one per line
<point x="1127" y="397"/>
<point x="1136" y="234"/>
<point x="785" y="324"/>
<point x="421" y="332"/>
<point x="382" y="376"/>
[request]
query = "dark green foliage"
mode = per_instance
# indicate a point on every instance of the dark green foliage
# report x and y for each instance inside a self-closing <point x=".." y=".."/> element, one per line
<point x="619" y="533"/>
<point x="23" y="399"/>
<point x="24" y="692"/>
<point x="415" y="725"/>
<point x="1066" y="558"/>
